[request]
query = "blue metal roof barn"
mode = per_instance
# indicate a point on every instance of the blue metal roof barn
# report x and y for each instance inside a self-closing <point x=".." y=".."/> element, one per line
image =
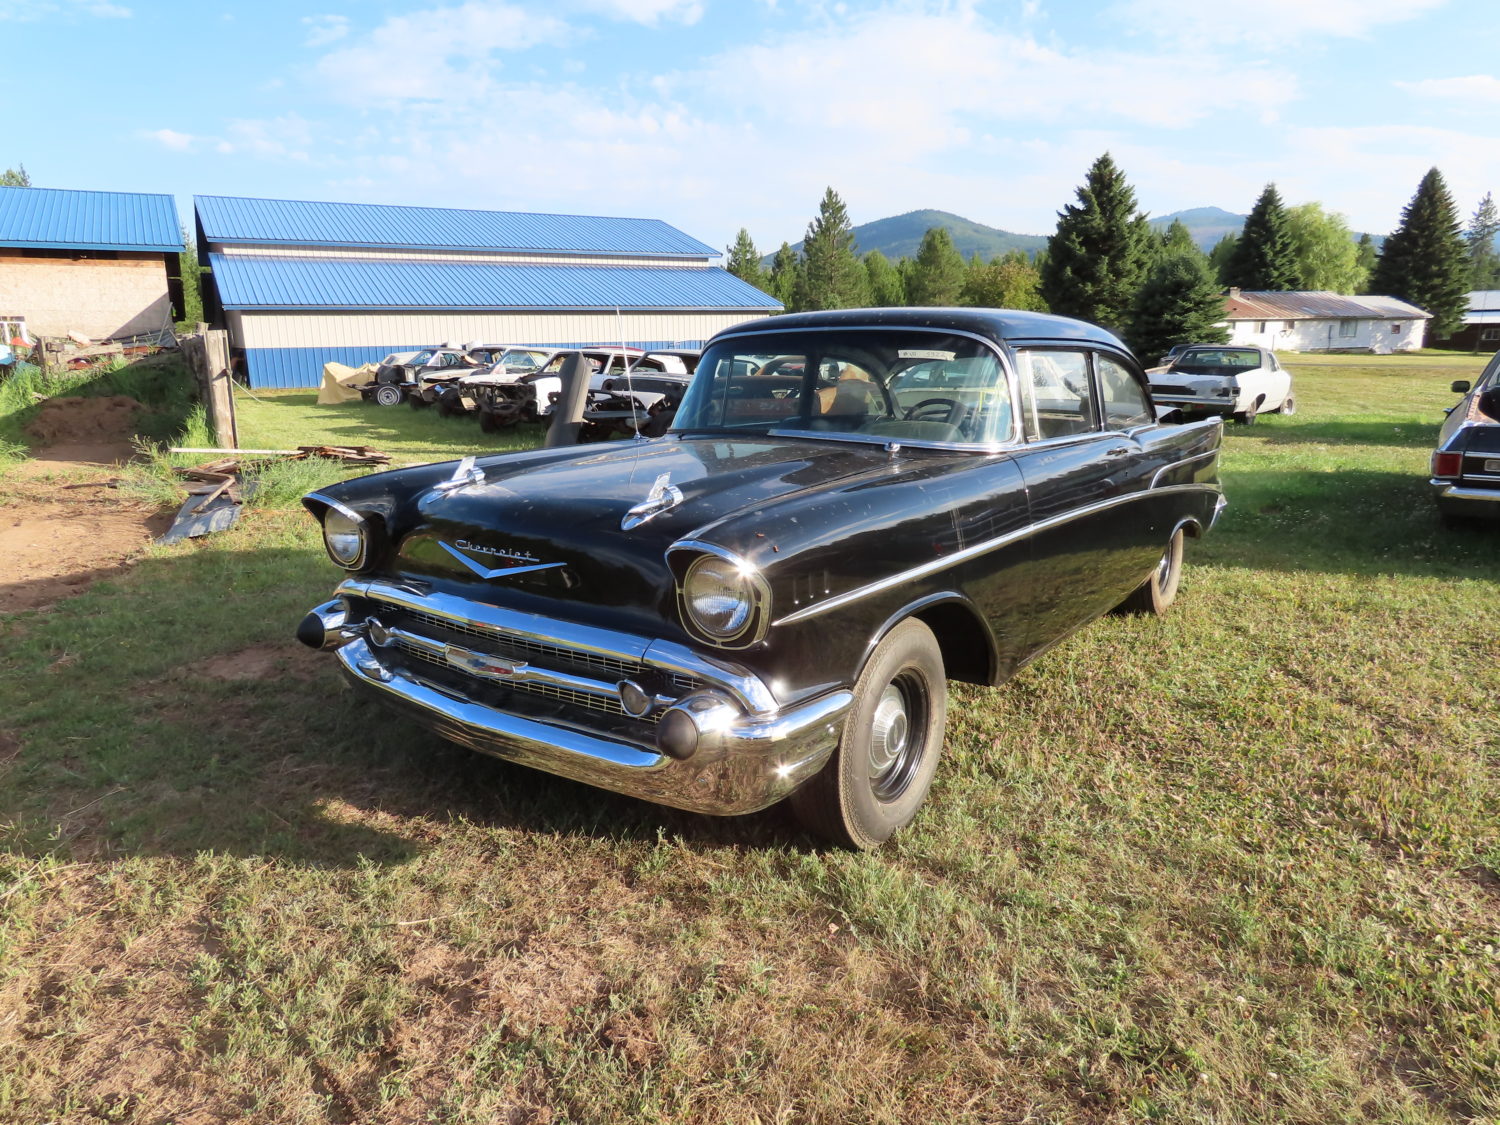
<point x="102" y="264"/>
<point x="53" y="218"/>
<point x="277" y="222"/>
<point x="300" y="284"/>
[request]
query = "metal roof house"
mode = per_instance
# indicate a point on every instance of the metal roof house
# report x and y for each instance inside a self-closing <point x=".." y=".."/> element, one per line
<point x="100" y="263"/>
<point x="1481" y="330"/>
<point x="299" y="284"/>
<point x="1319" y="321"/>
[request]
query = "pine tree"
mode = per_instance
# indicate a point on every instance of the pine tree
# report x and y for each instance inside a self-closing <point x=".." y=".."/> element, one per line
<point x="744" y="261"/>
<point x="887" y="289"/>
<point x="786" y="269"/>
<point x="1219" y="256"/>
<point x="1099" y="252"/>
<point x="15" y="177"/>
<point x="1484" y="261"/>
<point x="937" y="276"/>
<point x="1179" y="303"/>
<point x="1263" y="256"/>
<point x="1178" y="240"/>
<point x="831" y="276"/>
<point x="1425" y="261"/>
<point x="1365" y="255"/>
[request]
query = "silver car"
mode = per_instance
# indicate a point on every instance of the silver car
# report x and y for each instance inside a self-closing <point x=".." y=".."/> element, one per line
<point x="1231" y="380"/>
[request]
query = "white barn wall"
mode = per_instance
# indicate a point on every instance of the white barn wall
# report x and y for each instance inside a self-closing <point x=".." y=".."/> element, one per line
<point x="1370" y="334"/>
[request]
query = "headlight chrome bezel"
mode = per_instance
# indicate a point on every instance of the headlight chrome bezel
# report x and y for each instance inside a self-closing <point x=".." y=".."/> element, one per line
<point x="354" y="527"/>
<point x="708" y="563"/>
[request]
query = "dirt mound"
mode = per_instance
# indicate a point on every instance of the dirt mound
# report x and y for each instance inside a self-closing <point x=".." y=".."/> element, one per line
<point x="75" y="420"/>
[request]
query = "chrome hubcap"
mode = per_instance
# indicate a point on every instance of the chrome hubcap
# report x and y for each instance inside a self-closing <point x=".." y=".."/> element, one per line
<point x="1163" y="569"/>
<point x="890" y="731"/>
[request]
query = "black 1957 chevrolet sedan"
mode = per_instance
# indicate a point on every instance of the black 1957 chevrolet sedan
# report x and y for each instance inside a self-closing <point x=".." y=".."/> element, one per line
<point x="848" y="509"/>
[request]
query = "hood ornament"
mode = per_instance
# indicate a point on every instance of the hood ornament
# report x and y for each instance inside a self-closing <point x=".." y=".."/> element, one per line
<point x="664" y="495"/>
<point x="464" y="473"/>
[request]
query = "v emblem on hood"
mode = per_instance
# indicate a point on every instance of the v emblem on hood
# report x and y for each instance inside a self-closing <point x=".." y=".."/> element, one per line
<point x="498" y="572"/>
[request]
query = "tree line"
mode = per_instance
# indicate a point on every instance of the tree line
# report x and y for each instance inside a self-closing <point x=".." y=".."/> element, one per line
<point x="1105" y="264"/>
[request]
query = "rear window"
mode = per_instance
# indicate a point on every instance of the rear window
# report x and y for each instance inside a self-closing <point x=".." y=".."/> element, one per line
<point x="1217" y="361"/>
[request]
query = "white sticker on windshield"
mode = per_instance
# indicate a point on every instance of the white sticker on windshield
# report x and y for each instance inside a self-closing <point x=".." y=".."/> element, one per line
<point x="925" y="353"/>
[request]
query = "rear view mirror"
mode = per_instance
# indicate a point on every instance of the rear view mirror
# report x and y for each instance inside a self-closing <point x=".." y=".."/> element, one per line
<point x="1460" y="387"/>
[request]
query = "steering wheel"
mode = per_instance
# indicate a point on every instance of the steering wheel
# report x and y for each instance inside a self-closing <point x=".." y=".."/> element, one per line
<point x="930" y="409"/>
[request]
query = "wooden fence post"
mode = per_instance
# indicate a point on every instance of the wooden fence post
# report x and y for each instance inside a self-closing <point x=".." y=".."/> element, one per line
<point x="220" y="397"/>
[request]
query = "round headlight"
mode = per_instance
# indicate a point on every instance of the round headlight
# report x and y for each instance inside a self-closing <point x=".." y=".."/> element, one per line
<point x="344" y="537"/>
<point x="720" y="596"/>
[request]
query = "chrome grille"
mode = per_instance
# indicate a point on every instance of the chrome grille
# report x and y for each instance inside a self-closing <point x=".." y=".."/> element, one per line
<point x="510" y="644"/>
<point x="606" y="704"/>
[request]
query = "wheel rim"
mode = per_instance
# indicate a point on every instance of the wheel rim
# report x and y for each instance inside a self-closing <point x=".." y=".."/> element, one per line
<point x="1163" y="570"/>
<point x="895" y="745"/>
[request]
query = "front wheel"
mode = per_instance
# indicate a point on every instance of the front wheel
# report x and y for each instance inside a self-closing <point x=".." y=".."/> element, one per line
<point x="893" y="735"/>
<point x="387" y="394"/>
<point x="1154" y="595"/>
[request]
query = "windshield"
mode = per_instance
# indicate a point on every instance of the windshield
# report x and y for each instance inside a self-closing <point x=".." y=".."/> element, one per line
<point x="907" y="384"/>
<point x="1217" y="361"/>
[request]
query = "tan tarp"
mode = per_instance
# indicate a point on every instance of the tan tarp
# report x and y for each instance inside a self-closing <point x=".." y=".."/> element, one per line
<point x="339" y="381"/>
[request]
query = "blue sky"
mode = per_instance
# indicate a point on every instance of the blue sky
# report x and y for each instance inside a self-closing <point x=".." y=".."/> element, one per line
<point x="717" y="114"/>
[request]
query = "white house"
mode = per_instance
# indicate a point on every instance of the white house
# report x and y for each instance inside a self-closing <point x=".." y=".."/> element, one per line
<point x="1324" y="322"/>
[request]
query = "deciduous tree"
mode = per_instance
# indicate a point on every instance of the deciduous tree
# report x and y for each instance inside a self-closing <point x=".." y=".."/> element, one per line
<point x="1179" y="303"/>
<point x="1219" y="256"/>
<point x="1097" y="255"/>
<point x="1009" y="282"/>
<point x="15" y="177"/>
<point x="887" y="289"/>
<point x="1262" y="257"/>
<point x="1425" y="260"/>
<point x="1324" y="251"/>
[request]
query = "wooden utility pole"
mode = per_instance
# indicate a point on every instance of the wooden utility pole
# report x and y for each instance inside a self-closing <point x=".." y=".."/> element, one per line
<point x="207" y="353"/>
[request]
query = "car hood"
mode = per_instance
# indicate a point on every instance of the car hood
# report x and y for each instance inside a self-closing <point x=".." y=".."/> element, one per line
<point x="559" y="524"/>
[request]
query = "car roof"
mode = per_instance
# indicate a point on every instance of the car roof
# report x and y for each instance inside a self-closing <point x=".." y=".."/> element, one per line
<point x="1000" y="324"/>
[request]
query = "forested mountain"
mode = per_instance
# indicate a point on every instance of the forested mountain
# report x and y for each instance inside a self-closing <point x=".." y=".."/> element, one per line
<point x="900" y="236"/>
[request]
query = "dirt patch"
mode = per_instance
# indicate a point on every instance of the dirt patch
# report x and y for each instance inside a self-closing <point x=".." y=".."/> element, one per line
<point x="75" y="420"/>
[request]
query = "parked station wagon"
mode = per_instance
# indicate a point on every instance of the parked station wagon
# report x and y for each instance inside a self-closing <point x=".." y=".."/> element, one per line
<point x="1466" y="463"/>
<point x="849" y="509"/>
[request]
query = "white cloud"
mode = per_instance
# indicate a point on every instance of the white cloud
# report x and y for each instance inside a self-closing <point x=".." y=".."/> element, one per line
<point x="1267" y="23"/>
<point x="649" y="12"/>
<point x="322" y="30"/>
<point x="289" y="137"/>
<point x="25" y="10"/>
<point x="1481" y="89"/>
<point x="172" y="139"/>
<point x="441" y="54"/>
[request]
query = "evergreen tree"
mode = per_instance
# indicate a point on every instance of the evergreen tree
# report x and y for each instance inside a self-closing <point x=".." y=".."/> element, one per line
<point x="1177" y="239"/>
<point x="937" y="276"/>
<point x="786" y="271"/>
<point x="1218" y="257"/>
<point x="15" y="177"/>
<point x="1096" y="257"/>
<point x="1324" y="250"/>
<point x="887" y="289"/>
<point x="1365" y="256"/>
<point x="1179" y="303"/>
<point x="1484" y="261"/>
<point x="192" y="282"/>
<point x="1262" y="257"/>
<point x="1425" y="261"/>
<point x="744" y="261"/>
<point x="831" y="276"/>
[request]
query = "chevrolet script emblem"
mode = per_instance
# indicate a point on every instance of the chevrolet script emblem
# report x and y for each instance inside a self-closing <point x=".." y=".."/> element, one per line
<point x="525" y="564"/>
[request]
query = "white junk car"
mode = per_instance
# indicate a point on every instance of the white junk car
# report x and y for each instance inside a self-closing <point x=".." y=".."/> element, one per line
<point x="1226" y="379"/>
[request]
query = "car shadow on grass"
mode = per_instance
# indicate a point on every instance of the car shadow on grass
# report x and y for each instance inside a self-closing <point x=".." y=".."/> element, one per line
<point x="155" y="716"/>
<point x="1297" y="431"/>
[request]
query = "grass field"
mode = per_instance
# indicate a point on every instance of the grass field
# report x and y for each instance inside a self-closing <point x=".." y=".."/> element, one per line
<point x="1241" y="864"/>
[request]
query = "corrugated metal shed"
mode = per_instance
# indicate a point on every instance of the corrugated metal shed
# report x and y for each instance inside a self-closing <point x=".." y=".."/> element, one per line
<point x="57" y="219"/>
<point x="361" y="283"/>
<point x="270" y="222"/>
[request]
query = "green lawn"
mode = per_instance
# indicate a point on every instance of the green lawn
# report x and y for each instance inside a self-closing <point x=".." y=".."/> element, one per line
<point x="1241" y="864"/>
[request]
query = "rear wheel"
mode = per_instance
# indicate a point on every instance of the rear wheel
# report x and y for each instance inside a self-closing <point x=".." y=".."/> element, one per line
<point x="1247" y="416"/>
<point x="1154" y="595"/>
<point x="1288" y="405"/>
<point x="893" y="735"/>
<point x="487" y="422"/>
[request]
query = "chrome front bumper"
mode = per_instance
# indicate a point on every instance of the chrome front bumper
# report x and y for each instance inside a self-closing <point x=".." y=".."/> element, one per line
<point x="746" y="752"/>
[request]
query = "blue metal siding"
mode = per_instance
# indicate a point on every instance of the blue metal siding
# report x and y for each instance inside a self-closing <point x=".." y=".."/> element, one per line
<point x="296" y="223"/>
<point x="246" y="282"/>
<point x="302" y="368"/>
<point x="52" y="218"/>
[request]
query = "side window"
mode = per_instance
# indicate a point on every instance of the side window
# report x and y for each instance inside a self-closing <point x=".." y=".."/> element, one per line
<point x="1124" y="400"/>
<point x="1055" y="393"/>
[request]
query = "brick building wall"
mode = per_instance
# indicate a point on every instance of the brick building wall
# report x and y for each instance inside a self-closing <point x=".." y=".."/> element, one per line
<point x="99" y="297"/>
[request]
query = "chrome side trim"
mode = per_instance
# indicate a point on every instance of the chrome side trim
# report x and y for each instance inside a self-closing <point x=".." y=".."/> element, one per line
<point x="1179" y="464"/>
<point x="749" y="690"/>
<point x="974" y="552"/>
